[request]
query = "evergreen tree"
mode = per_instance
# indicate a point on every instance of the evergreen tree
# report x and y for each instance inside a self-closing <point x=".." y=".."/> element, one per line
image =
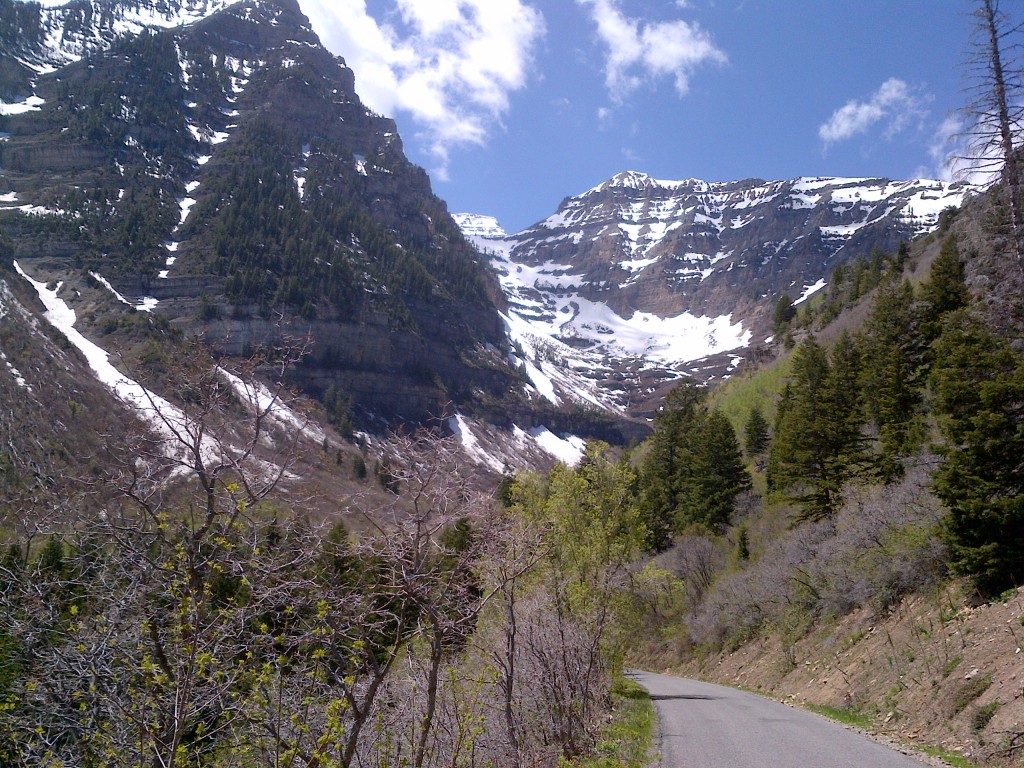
<point x="817" y="445"/>
<point x="946" y="289"/>
<point x="979" y="388"/>
<point x="785" y="311"/>
<point x="718" y="475"/>
<point x="665" y="461"/>
<point x="694" y="471"/>
<point x="892" y="358"/>
<point x="755" y="432"/>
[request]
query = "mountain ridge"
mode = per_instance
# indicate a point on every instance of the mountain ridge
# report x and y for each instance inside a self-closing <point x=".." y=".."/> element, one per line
<point x="618" y="273"/>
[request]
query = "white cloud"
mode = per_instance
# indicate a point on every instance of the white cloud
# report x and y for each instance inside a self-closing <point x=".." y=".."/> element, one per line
<point x="642" y="51"/>
<point x="894" y="105"/>
<point x="450" y="64"/>
<point x="959" y="151"/>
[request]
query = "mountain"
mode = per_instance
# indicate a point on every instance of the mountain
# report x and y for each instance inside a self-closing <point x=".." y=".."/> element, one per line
<point x="213" y="163"/>
<point x="638" y="280"/>
<point x="197" y="169"/>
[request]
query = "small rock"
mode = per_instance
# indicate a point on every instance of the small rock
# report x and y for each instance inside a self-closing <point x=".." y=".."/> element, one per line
<point x="970" y="675"/>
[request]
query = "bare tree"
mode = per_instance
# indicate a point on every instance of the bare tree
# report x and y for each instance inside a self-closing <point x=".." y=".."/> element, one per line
<point x="996" y="109"/>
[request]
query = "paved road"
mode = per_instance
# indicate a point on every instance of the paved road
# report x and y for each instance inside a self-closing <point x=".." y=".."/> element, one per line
<point x="708" y="726"/>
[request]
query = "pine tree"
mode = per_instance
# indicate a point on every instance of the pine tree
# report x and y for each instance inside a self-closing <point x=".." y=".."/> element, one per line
<point x="785" y="311"/>
<point x="694" y="471"/>
<point x="946" y="289"/>
<point x="892" y="358"/>
<point x="755" y="432"/>
<point x="718" y="475"/>
<point x="817" y="446"/>
<point x="979" y="387"/>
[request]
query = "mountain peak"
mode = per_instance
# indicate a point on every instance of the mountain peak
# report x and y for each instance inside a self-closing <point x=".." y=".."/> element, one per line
<point x="479" y="225"/>
<point x="634" y="179"/>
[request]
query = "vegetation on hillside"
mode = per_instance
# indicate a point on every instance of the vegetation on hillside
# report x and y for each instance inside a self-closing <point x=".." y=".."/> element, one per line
<point x="201" y="618"/>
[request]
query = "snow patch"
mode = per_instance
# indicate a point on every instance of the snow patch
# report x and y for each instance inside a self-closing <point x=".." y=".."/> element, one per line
<point x="31" y="104"/>
<point x="569" y="449"/>
<point x="258" y="398"/>
<point x="810" y="290"/>
<point x="18" y="378"/>
<point x="164" y="418"/>
<point x="464" y="434"/>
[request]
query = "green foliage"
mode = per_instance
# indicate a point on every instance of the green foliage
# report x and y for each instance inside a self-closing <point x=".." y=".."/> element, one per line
<point x="693" y="472"/>
<point x="755" y="433"/>
<point x="626" y="739"/>
<point x="359" y="467"/>
<point x="591" y="517"/>
<point x="968" y="692"/>
<point x="757" y="388"/>
<point x="818" y="445"/>
<point x="983" y="715"/>
<point x="785" y="311"/>
<point x="743" y="544"/>
<point x="979" y="400"/>
<point x="849" y="715"/>
<point x="339" y="406"/>
<point x="892" y="354"/>
<point x="946" y="289"/>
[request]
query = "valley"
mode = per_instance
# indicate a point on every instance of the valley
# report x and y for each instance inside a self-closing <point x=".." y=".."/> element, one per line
<point x="299" y="467"/>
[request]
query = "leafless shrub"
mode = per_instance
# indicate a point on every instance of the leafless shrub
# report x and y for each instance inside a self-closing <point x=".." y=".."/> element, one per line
<point x="697" y="560"/>
<point x="882" y="544"/>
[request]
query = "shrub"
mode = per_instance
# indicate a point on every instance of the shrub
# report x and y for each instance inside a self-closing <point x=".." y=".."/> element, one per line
<point x="968" y="692"/>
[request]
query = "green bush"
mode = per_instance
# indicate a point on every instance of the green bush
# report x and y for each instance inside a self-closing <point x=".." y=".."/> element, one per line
<point x="982" y="715"/>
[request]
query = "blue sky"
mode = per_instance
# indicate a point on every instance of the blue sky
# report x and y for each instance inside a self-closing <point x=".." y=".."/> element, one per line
<point x="512" y="105"/>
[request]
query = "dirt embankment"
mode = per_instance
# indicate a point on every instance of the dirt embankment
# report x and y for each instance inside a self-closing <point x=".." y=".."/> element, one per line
<point x="935" y="670"/>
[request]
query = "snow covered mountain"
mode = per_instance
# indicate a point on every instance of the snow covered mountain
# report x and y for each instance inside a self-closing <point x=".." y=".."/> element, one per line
<point x="638" y="281"/>
<point x="39" y="39"/>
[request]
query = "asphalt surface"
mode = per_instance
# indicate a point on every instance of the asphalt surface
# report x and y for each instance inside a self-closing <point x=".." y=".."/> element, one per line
<point x="709" y="726"/>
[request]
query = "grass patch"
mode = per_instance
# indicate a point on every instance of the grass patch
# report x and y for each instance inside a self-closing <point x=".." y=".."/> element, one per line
<point x="848" y="715"/>
<point x="949" y="666"/>
<point x="968" y="692"/>
<point x="953" y="758"/>
<point x="625" y="742"/>
<point x="861" y="719"/>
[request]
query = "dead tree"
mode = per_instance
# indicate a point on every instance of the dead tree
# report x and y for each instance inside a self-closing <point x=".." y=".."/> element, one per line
<point x="996" y="108"/>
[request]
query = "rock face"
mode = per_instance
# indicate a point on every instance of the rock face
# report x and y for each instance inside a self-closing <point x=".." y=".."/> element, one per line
<point x="216" y="159"/>
<point x="664" y="247"/>
<point x="638" y="281"/>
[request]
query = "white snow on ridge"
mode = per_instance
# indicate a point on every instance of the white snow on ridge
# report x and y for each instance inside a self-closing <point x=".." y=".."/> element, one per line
<point x="464" y="434"/>
<point x="68" y="40"/>
<point x="568" y="450"/>
<point x="256" y="396"/>
<point x="545" y="308"/>
<point x="145" y="304"/>
<point x="810" y="290"/>
<point x="478" y="225"/>
<point x="502" y="452"/>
